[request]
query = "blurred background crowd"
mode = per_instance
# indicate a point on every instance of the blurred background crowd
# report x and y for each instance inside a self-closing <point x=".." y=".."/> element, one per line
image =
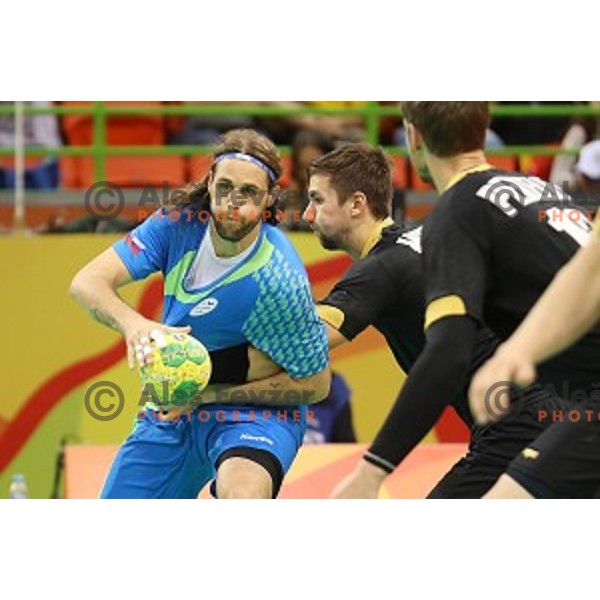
<point x="162" y="146"/>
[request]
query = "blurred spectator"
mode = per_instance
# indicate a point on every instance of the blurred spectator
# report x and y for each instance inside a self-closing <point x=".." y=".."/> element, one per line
<point x="345" y="128"/>
<point x="580" y="131"/>
<point x="283" y="129"/>
<point x="308" y="145"/>
<point x="588" y="172"/>
<point x="204" y="130"/>
<point x="523" y="130"/>
<point x="60" y="223"/>
<point x="492" y="139"/>
<point x="331" y="420"/>
<point x="41" y="131"/>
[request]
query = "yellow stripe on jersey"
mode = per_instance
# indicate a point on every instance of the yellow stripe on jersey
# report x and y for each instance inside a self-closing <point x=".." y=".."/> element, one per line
<point x="597" y="223"/>
<point x="447" y="306"/>
<point x="375" y="236"/>
<point x="331" y="315"/>
<point x="462" y="174"/>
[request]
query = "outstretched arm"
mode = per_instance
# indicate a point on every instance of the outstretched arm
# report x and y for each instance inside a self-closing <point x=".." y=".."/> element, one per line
<point x="440" y="372"/>
<point x="438" y="375"/>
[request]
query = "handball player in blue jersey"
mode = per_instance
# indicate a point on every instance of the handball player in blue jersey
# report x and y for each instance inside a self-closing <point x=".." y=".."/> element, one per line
<point x="231" y="279"/>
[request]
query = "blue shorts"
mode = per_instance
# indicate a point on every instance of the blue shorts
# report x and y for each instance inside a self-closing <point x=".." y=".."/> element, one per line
<point x="176" y="458"/>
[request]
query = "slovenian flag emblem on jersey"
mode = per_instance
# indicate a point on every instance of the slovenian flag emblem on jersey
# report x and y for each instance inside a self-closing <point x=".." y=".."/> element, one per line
<point x="135" y="245"/>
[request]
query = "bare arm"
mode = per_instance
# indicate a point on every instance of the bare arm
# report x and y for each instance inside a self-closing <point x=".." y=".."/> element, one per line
<point x="269" y="385"/>
<point x="95" y="289"/>
<point x="276" y="390"/>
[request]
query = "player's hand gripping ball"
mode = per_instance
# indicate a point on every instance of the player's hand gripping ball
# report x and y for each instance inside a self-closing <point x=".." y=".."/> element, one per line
<point x="180" y="370"/>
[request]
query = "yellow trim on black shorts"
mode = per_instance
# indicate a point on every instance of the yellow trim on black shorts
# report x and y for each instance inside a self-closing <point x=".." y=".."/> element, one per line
<point x="447" y="306"/>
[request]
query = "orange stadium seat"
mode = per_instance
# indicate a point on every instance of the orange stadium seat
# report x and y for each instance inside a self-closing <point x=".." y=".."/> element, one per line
<point x="126" y="130"/>
<point x="69" y="172"/>
<point x="537" y="166"/>
<point x="135" y="171"/>
<point x="417" y="184"/>
<point x="8" y="162"/>
<point x="198" y="166"/>
<point x="126" y="171"/>
<point x="400" y="172"/>
<point x="286" y="176"/>
<point x="508" y="163"/>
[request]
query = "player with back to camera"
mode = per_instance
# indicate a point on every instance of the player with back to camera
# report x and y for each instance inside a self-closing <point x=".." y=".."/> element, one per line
<point x="573" y="299"/>
<point x="493" y="244"/>
<point x="229" y="279"/>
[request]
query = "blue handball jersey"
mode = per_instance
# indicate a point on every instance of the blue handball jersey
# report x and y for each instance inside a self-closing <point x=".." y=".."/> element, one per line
<point x="265" y="300"/>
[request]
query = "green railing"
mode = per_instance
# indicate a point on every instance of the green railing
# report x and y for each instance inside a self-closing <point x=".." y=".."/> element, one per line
<point x="370" y="112"/>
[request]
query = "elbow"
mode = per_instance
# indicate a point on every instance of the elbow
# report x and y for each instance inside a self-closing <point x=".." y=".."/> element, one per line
<point x="76" y="286"/>
<point x="319" y="386"/>
<point x="450" y="348"/>
<point x="80" y="285"/>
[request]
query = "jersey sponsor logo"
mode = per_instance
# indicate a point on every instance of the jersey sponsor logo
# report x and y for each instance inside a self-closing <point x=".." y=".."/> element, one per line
<point x="207" y="305"/>
<point x="412" y="239"/>
<point x="256" y="438"/>
<point x="134" y="244"/>
<point x="530" y="454"/>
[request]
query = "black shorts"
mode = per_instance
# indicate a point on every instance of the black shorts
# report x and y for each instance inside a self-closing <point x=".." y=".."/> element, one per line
<point x="494" y="447"/>
<point x="564" y="461"/>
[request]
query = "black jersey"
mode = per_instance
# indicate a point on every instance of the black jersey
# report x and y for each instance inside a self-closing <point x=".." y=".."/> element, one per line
<point x="385" y="289"/>
<point x="492" y="245"/>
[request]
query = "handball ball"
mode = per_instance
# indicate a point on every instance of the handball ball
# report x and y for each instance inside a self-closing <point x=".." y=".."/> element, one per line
<point x="180" y="369"/>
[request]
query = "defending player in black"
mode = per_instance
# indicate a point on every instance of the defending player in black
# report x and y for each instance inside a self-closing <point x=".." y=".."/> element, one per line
<point x="491" y="247"/>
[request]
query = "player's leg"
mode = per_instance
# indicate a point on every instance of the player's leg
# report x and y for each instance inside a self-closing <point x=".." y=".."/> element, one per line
<point x="564" y="462"/>
<point x="507" y="488"/>
<point x="158" y="460"/>
<point x="494" y="447"/>
<point x="469" y="478"/>
<point x="253" y="476"/>
<point x="251" y="458"/>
